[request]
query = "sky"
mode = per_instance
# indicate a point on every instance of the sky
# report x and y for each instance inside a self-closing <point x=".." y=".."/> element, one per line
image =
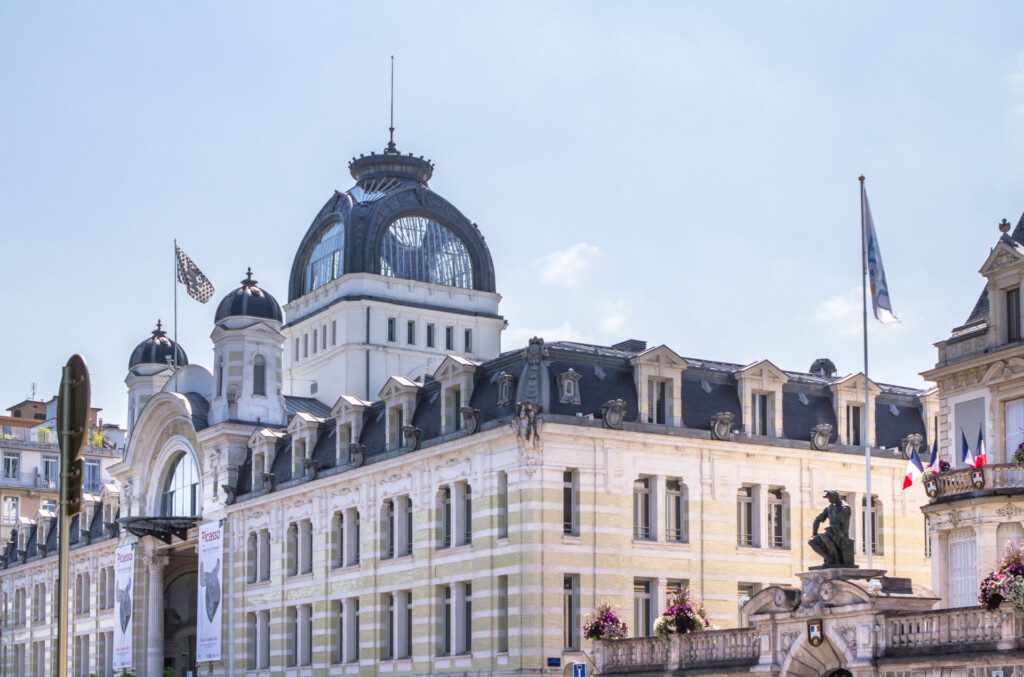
<point x="684" y="173"/>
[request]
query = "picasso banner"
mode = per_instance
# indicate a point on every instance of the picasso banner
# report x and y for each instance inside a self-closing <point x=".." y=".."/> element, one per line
<point x="124" y="598"/>
<point x="211" y="578"/>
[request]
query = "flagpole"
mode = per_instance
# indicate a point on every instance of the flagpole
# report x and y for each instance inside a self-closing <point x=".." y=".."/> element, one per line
<point x="174" y="353"/>
<point x="868" y="502"/>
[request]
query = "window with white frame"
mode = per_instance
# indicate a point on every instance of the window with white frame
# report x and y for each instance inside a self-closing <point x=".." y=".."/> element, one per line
<point x="642" y="509"/>
<point x="963" y="575"/>
<point x="643" y="608"/>
<point x="334" y="332"/>
<point x="392" y="330"/>
<point x="1013" y="417"/>
<point x="259" y="375"/>
<point x="570" y="502"/>
<point x="466" y="622"/>
<point x="430" y="335"/>
<point x="410" y="332"/>
<point x="876" y="525"/>
<point x="761" y="412"/>
<point x="388" y="529"/>
<point x="675" y="511"/>
<point x="745" y="535"/>
<point x="315" y="342"/>
<point x="466" y="532"/>
<point x="468" y="340"/>
<point x="446" y="611"/>
<point x="444" y="499"/>
<point x="854" y="424"/>
<point x="11" y="465"/>
<point x="337" y="630"/>
<point x="502" y="504"/>
<point x="323" y="337"/>
<point x="744" y="591"/>
<point x="778" y="518"/>
<point x="657" y="401"/>
<point x="10" y="509"/>
<point x="449" y="338"/>
<point x="571" y="611"/>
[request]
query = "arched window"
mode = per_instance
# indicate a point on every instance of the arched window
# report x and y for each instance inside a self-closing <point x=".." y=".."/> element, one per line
<point x="325" y="259"/>
<point x="418" y="248"/>
<point x="259" y="376"/>
<point x="181" y="490"/>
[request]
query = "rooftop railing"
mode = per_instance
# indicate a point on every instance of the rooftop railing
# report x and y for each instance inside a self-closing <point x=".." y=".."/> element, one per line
<point x="962" y="627"/>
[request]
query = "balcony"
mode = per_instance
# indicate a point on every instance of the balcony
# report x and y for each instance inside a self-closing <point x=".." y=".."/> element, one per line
<point x="965" y="629"/>
<point x="28" y="480"/>
<point x="711" y="649"/>
<point x="1001" y="479"/>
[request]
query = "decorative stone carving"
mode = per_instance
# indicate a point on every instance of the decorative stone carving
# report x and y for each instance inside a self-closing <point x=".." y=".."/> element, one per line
<point x="613" y="413"/>
<point x="506" y="382"/>
<point x="911" y="442"/>
<point x="534" y="381"/>
<point x="849" y="635"/>
<point x="310" y="468"/>
<point x="834" y="544"/>
<point x="955" y="517"/>
<point x="412" y="435"/>
<point x="471" y="417"/>
<point x="1010" y="510"/>
<point x="229" y="493"/>
<point x="721" y="425"/>
<point x="821" y="434"/>
<point x="269" y="481"/>
<point x="527" y="427"/>
<point x="356" y="454"/>
<point x="569" y="386"/>
<point x="788" y="638"/>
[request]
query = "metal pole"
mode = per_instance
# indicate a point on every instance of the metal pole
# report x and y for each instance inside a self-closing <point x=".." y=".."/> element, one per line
<point x="868" y="503"/>
<point x="174" y="353"/>
<point x="64" y="524"/>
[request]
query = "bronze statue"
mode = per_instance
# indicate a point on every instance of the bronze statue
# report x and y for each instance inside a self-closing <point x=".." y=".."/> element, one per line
<point x="834" y="544"/>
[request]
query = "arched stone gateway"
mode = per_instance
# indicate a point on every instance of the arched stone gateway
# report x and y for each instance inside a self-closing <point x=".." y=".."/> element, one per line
<point x="806" y="660"/>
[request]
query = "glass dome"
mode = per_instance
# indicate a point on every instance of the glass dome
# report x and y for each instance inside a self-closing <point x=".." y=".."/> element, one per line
<point x="325" y="260"/>
<point x="419" y="248"/>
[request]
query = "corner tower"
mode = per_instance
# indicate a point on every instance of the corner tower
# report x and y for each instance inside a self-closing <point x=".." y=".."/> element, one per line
<point x="149" y="368"/>
<point x="388" y="280"/>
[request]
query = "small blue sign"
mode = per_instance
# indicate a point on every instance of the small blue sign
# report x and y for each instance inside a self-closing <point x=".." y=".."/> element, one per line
<point x="554" y="662"/>
<point x="579" y="670"/>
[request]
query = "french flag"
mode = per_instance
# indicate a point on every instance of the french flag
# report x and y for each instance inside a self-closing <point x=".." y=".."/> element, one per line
<point x="914" y="469"/>
<point x="933" y="462"/>
<point x="982" y="457"/>
<point x="965" y="450"/>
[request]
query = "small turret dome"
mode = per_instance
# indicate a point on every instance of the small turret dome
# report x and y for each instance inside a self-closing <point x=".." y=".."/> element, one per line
<point x="249" y="300"/>
<point x="156" y="349"/>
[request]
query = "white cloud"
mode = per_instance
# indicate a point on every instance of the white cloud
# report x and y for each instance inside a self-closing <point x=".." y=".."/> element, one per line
<point x="568" y="267"/>
<point x="613" y="319"/>
<point x="1015" y="80"/>
<point x="841" y="315"/>
<point x="514" y="337"/>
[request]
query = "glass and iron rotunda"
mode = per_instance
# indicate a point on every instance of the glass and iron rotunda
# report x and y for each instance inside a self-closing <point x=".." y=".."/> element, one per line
<point x="391" y="223"/>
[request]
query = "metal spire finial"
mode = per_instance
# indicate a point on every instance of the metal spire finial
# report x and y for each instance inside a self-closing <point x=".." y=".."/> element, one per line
<point x="392" y="148"/>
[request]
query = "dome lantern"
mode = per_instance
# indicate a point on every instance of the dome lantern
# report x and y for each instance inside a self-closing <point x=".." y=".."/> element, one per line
<point x="157" y="349"/>
<point x="249" y="300"/>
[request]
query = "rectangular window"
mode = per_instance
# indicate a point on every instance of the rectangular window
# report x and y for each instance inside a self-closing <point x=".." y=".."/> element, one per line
<point x="675" y="511"/>
<point x="407" y="625"/>
<point x="1012" y="315"/>
<point x="777" y="519"/>
<point x="745" y="516"/>
<point x="445" y="648"/>
<point x="643" y="617"/>
<point x="392" y="330"/>
<point x="468" y="340"/>
<point x="11" y="465"/>
<point x="410" y="333"/>
<point x="502" y="614"/>
<point x="305" y="345"/>
<point x="334" y="332"/>
<point x="352" y="640"/>
<point x="259" y="377"/>
<point x="91" y="481"/>
<point x="337" y="632"/>
<point x="10" y="509"/>
<point x="759" y="406"/>
<point x="502" y="504"/>
<point x="446" y="517"/>
<point x="570" y="526"/>
<point x="467" y="515"/>
<point x="963" y="569"/>
<point x="315" y="333"/>
<point x="295" y="350"/>
<point x="854" y="427"/>
<point x="449" y="338"/>
<point x="389" y="529"/>
<point x="407" y="546"/>
<point x="51" y="471"/>
<point x="430" y="335"/>
<point x="656" y="391"/>
<point x="467" y="618"/>
<point x="876" y="525"/>
<point x="570" y="612"/>
<point x="744" y="591"/>
<point x="642" y="509"/>
<point x="388" y="650"/>
<point x="323" y="337"/>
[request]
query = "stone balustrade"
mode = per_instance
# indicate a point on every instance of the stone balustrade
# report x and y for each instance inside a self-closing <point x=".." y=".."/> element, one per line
<point x="961" y="627"/>
<point x="1004" y="477"/>
<point x="694" y="650"/>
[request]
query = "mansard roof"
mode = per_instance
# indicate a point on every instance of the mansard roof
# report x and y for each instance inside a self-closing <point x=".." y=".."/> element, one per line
<point x="979" y="314"/>
<point x="97" y="532"/>
<point x="605" y="373"/>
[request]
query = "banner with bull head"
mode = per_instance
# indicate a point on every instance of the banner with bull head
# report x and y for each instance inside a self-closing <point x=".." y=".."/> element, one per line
<point x="210" y="589"/>
<point x="124" y="600"/>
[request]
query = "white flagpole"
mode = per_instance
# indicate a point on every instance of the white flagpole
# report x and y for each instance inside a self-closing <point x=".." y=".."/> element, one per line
<point x="868" y="503"/>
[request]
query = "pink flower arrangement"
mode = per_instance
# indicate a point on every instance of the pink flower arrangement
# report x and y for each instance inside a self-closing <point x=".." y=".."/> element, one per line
<point x="1006" y="582"/>
<point x="604" y="624"/>
<point x="685" y="613"/>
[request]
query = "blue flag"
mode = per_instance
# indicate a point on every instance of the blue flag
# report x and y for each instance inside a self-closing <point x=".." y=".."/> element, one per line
<point x="880" y="302"/>
<point x="933" y="462"/>
<point x="965" y="450"/>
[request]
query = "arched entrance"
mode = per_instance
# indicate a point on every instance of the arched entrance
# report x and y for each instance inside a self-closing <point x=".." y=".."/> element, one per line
<point x="841" y="672"/>
<point x="180" y="615"/>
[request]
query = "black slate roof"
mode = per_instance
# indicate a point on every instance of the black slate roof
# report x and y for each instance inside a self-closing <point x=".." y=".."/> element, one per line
<point x="708" y="388"/>
<point x="200" y="411"/>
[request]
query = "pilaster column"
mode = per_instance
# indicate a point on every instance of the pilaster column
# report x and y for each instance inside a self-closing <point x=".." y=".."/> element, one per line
<point x="155" y="613"/>
<point x="987" y="548"/>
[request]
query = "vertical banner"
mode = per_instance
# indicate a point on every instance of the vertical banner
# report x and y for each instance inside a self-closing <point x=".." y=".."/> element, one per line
<point x="124" y="593"/>
<point x="211" y="578"/>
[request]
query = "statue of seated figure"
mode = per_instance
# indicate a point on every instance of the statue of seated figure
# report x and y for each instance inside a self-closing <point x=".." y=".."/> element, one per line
<point x="834" y="544"/>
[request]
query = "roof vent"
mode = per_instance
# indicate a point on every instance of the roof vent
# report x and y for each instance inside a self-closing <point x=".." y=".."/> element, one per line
<point x="631" y="345"/>
<point x="823" y="367"/>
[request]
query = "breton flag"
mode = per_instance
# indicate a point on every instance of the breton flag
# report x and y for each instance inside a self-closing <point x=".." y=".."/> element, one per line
<point x="914" y="469"/>
<point x="965" y="451"/>
<point x="196" y="284"/>
<point x="880" y="302"/>
<point x="982" y="457"/>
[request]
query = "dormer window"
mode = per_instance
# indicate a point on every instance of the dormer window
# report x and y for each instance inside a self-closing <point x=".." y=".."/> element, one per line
<point x="454" y="401"/>
<point x="657" y="401"/>
<point x="505" y="383"/>
<point x="854" y="424"/>
<point x="569" y="387"/>
<point x="396" y="418"/>
<point x="1013" y="315"/>
<point x="762" y="413"/>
